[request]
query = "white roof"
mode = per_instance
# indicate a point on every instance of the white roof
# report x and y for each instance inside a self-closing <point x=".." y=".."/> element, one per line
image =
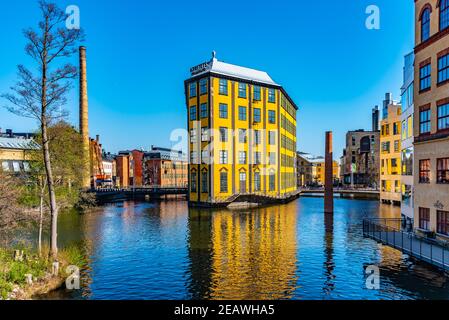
<point x="232" y="70"/>
<point x="18" y="144"/>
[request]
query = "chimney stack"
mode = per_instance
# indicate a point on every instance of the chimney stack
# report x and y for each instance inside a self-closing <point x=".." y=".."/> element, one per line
<point x="84" y="118"/>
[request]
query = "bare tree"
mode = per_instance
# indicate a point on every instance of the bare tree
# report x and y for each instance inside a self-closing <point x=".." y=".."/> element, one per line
<point x="43" y="96"/>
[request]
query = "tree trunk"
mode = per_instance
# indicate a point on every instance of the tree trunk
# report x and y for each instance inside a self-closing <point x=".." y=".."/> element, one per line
<point x="46" y="151"/>
<point x="41" y="214"/>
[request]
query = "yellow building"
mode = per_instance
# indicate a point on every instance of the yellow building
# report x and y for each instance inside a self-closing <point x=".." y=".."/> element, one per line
<point x="390" y="153"/>
<point x="319" y="173"/>
<point x="242" y="128"/>
<point x="15" y="152"/>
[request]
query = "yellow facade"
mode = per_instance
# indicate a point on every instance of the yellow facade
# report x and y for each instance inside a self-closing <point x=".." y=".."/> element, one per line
<point x="390" y="156"/>
<point x="242" y="138"/>
<point x="319" y="172"/>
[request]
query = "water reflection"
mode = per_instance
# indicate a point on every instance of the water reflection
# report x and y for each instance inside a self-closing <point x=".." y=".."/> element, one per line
<point x="165" y="250"/>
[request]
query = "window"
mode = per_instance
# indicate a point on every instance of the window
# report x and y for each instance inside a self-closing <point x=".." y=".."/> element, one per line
<point x="223" y="87"/>
<point x="424" y="218"/>
<point x="242" y="136"/>
<point x="27" y="168"/>
<point x="272" y="181"/>
<point x="242" y="157"/>
<point x="272" y="158"/>
<point x="257" y="158"/>
<point x="205" y="157"/>
<point x="443" y="170"/>
<point x="424" y="171"/>
<point x="204" y="182"/>
<point x="193" y="90"/>
<point x="193" y="181"/>
<point x="204" y="134"/>
<point x="242" y="113"/>
<point x="256" y="137"/>
<point x="193" y="113"/>
<point x="242" y="90"/>
<point x="407" y="162"/>
<point x="386" y="147"/>
<point x="204" y="111"/>
<point x="223" y="157"/>
<point x="444" y="14"/>
<point x="271" y="95"/>
<point x="256" y="93"/>
<point x="193" y="157"/>
<point x="223" y="182"/>
<point x="271" y="116"/>
<point x="223" y="134"/>
<point x="425" y="77"/>
<point x="396" y="128"/>
<point x="272" y="138"/>
<point x="203" y="86"/>
<point x="256" y="115"/>
<point x="5" y="166"/>
<point x="397" y="146"/>
<point x="424" y="121"/>
<point x="443" y="222"/>
<point x="425" y="25"/>
<point x="193" y="136"/>
<point x="443" y="117"/>
<point x="223" y="111"/>
<point x="443" y="69"/>
<point x="256" y="181"/>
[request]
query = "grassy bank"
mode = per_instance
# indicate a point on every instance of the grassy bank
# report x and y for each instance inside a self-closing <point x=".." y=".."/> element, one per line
<point x="13" y="279"/>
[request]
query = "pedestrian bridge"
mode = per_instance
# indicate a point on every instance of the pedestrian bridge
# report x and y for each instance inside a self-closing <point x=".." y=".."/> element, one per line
<point x="344" y="193"/>
<point x="389" y="232"/>
<point x="139" y="192"/>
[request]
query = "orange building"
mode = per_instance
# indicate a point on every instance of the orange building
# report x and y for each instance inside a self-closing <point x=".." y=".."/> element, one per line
<point x="165" y="168"/>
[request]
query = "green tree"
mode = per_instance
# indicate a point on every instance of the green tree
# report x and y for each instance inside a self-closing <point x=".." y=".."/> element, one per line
<point x="42" y="95"/>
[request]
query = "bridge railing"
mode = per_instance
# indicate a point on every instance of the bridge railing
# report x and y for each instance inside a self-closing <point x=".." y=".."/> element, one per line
<point x="390" y="232"/>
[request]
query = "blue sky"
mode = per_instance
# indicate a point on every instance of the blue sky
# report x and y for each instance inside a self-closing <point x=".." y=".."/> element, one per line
<point x="140" y="52"/>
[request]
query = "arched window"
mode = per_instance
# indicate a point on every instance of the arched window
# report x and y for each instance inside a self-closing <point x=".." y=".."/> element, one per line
<point x="444" y="14"/>
<point x="425" y="25"/>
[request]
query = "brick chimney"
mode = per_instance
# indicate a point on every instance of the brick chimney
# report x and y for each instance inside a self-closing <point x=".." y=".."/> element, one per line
<point x="84" y="118"/>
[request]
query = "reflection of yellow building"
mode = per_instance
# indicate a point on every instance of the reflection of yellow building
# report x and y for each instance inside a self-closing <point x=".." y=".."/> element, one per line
<point x="390" y="154"/>
<point x="242" y="129"/>
<point x="252" y="265"/>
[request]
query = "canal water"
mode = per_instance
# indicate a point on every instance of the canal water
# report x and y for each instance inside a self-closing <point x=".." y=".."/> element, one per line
<point x="142" y="250"/>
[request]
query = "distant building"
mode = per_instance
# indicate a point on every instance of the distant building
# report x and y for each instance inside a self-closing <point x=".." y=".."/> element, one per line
<point x="129" y="166"/>
<point x="390" y="155"/>
<point x="310" y="170"/>
<point x="15" y="152"/>
<point x="431" y="125"/>
<point x="360" y="160"/>
<point x="109" y="167"/>
<point x="165" y="168"/>
<point x="407" y="138"/>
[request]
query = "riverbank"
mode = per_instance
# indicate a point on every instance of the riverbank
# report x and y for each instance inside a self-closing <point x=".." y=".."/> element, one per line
<point x="28" y="275"/>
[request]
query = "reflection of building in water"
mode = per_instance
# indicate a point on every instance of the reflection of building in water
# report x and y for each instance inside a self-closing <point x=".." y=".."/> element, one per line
<point x="200" y="253"/>
<point x="329" y="264"/>
<point x="244" y="255"/>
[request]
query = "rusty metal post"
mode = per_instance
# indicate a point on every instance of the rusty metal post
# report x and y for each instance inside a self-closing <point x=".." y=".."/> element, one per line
<point x="329" y="180"/>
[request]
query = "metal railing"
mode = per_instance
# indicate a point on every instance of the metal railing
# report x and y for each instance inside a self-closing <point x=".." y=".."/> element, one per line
<point x="390" y="232"/>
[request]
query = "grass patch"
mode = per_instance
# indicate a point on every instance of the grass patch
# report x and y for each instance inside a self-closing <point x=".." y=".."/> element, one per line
<point x="13" y="272"/>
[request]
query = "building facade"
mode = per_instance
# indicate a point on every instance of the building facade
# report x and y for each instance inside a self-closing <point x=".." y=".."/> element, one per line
<point x="15" y="152"/>
<point x="431" y="125"/>
<point x="165" y="168"/>
<point x="242" y="129"/>
<point x="304" y="169"/>
<point x="360" y="160"/>
<point x="407" y="138"/>
<point x="390" y="153"/>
